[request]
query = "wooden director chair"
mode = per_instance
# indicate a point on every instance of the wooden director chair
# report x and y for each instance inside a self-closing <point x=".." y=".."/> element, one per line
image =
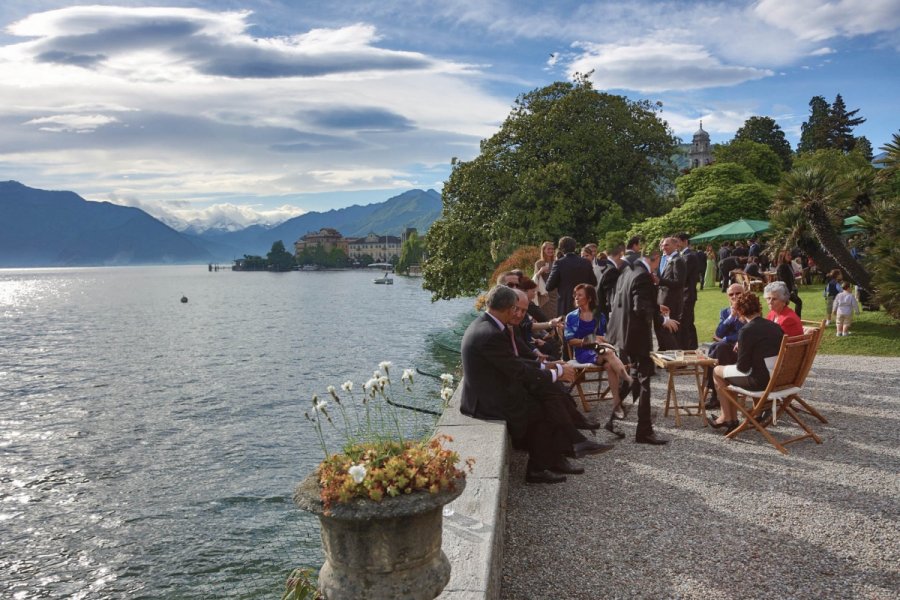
<point x="750" y="284"/>
<point x="590" y="382"/>
<point x="785" y="383"/>
<point x="816" y="328"/>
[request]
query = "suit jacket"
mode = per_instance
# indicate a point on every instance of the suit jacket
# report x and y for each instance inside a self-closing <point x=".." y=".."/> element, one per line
<point x="566" y="273"/>
<point x="728" y="265"/>
<point x="724" y="253"/>
<point x="606" y="286"/>
<point x="691" y="275"/>
<point x="635" y="312"/>
<point x="494" y="380"/>
<point x="630" y="256"/>
<point x="754" y="250"/>
<point x="671" y="285"/>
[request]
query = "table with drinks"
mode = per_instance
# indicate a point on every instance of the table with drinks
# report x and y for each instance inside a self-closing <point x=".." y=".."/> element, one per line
<point x="680" y="363"/>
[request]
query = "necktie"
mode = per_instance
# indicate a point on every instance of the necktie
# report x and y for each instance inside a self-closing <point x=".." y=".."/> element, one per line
<point x="662" y="264"/>
<point x="512" y="338"/>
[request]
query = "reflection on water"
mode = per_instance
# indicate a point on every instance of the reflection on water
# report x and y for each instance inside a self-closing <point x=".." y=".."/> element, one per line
<point x="150" y="448"/>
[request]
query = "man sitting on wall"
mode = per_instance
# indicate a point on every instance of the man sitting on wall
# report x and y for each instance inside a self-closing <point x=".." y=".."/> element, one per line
<point x="498" y="384"/>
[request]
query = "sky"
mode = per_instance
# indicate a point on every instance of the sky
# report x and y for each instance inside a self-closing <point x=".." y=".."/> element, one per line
<point x="260" y="110"/>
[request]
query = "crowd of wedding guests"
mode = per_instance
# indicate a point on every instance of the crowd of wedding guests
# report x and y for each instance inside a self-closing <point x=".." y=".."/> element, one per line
<point x="581" y="306"/>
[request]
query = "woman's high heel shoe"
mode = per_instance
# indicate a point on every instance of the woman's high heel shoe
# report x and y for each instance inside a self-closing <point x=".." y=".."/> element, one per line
<point x="714" y="424"/>
<point x="731" y="426"/>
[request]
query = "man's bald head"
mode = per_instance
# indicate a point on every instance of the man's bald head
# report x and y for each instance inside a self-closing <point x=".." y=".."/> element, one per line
<point x="521" y="307"/>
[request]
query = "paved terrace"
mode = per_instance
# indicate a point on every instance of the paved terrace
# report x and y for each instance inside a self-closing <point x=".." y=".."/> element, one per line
<point x="702" y="517"/>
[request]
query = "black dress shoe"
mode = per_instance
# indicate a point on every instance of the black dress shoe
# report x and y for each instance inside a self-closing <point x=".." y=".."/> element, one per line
<point x="544" y="476"/>
<point x="712" y="403"/>
<point x="610" y="427"/>
<point x="582" y="449"/>
<point x="563" y="465"/>
<point x="731" y="426"/>
<point x="587" y="426"/>
<point x="650" y="439"/>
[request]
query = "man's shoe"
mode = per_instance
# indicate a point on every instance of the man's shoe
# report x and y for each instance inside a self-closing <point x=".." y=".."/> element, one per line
<point x="582" y="449"/>
<point x="544" y="476"/>
<point x="650" y="439"/>
<point x="587" y="426"/>
<point x="563" y="465"/>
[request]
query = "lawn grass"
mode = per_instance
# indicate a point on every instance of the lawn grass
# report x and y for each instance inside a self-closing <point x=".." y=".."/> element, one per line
<point x="874" y="333"/>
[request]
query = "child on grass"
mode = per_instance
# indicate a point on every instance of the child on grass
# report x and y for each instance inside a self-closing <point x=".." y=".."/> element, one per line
<point x="832" y="289"/>
<point x="845" y="305"/>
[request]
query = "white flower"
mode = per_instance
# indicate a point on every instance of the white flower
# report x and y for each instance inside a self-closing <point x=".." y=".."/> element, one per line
<point x="330" y="389"/>
<point x="376" y="374"/>
<point x="347" y="386"/>
<point x="383" y="381"/>
<point x="446" y="379"/>
<point x="385" y="365"/>
<point x="446" y="394"/>
<point x="407" y="375"/>
<point x="320" y="406"/>
<point x="371" y="384"/>
<point x="357" y="472"/>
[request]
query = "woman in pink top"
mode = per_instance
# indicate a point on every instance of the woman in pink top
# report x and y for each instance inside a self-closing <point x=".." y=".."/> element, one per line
<point x="777" y="297"/>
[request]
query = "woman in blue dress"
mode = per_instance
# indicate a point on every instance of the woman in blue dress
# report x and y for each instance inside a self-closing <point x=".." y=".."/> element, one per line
<point x="584" y="334"/>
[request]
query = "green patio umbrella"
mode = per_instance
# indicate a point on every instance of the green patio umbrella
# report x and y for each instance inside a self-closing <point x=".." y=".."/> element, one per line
<point x="736" y="230"/>
<point x="852" y="225"/>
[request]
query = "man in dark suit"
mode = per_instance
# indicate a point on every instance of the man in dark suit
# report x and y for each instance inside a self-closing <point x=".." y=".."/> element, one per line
<point x="634" y="314"/>
<point x="495" y="386"/>
<point x="632" y="250"/>
<point x="672" y="277"/>
<point x="566" y="273"/>
<point x="755" y="249"/>
<point x="609" y="275"/>
<point x="724" y="251"/>
<point x="687" y="332"/>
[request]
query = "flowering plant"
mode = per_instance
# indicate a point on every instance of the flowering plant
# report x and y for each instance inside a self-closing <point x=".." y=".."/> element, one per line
<point x="377" y="459"/>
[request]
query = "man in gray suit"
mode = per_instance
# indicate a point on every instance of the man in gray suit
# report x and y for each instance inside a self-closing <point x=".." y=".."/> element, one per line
<point x="672" y="277"/>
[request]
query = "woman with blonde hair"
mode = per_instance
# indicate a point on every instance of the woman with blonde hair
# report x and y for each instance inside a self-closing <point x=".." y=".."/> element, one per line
<point x="546" y="301"/>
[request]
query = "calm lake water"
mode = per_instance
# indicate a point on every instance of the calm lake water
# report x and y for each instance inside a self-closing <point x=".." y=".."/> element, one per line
<point x="149" y="448"/>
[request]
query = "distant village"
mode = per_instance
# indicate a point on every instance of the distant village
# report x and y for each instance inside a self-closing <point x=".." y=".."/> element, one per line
<point x="329" y="248"/>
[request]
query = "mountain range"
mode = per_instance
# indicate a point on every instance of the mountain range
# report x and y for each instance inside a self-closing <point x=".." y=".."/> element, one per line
<point x="60" y="228"/>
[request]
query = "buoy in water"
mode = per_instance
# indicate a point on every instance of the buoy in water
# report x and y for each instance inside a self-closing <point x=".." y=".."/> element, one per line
<point x="184" y="299"/>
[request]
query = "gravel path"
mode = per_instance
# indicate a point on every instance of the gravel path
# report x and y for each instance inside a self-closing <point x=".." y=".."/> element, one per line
<point x="709" y="518"/>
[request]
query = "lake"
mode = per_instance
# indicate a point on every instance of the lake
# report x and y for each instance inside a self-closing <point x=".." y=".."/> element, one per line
<point x="149" y="448"/>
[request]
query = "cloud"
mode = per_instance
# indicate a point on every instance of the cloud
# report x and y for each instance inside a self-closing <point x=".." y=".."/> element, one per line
<point x="81" y="123"/>
<point x="359" y="118"/>
<point x="211" y="44"/>
<point x="815" y="20"/>
<point x="652" y="66"/>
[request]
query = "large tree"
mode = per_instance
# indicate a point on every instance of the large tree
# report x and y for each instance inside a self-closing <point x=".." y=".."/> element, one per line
<point x="841" y="123"/>
<point x="562" y="159"/>
<point x="764" y="130"/>
<point x="758" y="158"/>
<point x="814" y="132"/>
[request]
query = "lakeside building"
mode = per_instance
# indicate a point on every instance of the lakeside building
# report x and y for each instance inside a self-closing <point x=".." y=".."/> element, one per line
<point x="382" y="248"/>
<point x="326" y="238"/>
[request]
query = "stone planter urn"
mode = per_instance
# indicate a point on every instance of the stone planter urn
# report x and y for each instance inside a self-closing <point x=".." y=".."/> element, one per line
<point x="381" y="550"/>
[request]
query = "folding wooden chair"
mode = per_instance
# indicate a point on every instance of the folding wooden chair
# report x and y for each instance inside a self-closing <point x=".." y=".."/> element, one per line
<point x="590" y="380"/>
<point x="785" y="383"/>
<point x="816" y="328"/>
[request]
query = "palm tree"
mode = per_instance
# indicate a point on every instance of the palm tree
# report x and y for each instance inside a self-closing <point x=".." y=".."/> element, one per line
<point x="891" y="161"/>
<point x="820" y="197"/>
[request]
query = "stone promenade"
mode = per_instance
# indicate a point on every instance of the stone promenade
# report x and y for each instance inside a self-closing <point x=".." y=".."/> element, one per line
<point x="708" y="518"/>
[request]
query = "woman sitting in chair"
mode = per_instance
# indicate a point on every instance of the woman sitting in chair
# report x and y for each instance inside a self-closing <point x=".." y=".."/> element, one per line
<point x="584" y="335"/>
<point x="758" y="340"/>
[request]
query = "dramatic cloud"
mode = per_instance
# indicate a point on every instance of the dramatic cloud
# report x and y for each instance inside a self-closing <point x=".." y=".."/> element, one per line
<point x="655" y="66"/>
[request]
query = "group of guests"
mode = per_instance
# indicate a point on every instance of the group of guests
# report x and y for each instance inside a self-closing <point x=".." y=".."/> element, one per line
<point x="604" y="308"/>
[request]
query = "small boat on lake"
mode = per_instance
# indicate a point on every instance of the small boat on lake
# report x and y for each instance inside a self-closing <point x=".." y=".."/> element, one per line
<point x="384" y="280"/>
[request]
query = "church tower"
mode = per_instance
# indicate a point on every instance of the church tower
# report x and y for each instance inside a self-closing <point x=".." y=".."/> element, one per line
<point x="699" y="154"/>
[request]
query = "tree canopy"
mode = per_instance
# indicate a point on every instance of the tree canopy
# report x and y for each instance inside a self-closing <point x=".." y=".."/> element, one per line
<point x="764" y="130"/>
<point x="757" y="158"/>
<point x="564" y="157"/>
<point x="280" y="259"/>
<point x="830" y="126"/>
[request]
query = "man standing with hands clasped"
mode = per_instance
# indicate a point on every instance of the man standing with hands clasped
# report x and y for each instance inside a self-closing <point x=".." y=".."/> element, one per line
<point x="634" y="314"/>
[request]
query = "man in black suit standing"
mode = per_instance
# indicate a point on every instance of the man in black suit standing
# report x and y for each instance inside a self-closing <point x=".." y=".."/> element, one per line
<point x="495" y="386"/>
<point x="635" y="313"/>
<point x="687" y="332"/>
<point x="672" y="277"/>
<point x="609" y="275"/>
<point x="632" y="250"/>
<point x="566" y="273"/>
